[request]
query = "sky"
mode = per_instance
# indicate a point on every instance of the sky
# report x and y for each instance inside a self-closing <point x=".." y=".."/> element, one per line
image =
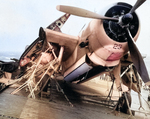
<point x="20" y="20"/>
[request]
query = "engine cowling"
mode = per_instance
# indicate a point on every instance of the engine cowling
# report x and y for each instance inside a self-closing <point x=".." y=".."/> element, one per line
<point x="107" y="39"/>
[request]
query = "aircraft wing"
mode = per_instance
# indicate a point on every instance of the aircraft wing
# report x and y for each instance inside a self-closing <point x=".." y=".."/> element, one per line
<point x="37" y="45"/>
<point x="68" y="41"/>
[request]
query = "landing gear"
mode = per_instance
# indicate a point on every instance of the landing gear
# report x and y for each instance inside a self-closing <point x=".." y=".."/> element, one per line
<point x="149" y="97"/>
<point x="2" y="81"/>
<point x="2" y="86"/>
<point x="123" y="103"/>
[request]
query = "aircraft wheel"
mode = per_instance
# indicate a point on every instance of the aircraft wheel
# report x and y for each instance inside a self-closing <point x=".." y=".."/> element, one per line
<point x="122" y="103"/>
<point x="2" y="86"/>
<point x="149" y="97"/>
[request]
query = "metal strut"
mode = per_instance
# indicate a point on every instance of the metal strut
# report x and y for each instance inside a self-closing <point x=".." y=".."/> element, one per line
<point x="111" y="89"/>
<point x="62" y="91"/>
<point x="130" y="112"/>
<point x="138" y="91"/>
<point x="49" y="68"/>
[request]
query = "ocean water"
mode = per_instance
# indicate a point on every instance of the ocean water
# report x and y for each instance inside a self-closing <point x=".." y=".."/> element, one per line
<point x="6" y="56"/>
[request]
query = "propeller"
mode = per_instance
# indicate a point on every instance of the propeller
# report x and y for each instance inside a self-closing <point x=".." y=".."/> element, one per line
<point x="137" y="58"/>
<point x="135" y="54"/>
<point x="123" y="21"/>
<point x="83" y="13"/>
<point x="137" y="4"/>
<point x="126" y="19"/>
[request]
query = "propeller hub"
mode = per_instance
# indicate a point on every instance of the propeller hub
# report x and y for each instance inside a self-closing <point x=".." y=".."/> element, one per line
<point x="117" y="30"/>
<point x="126" y="19"/>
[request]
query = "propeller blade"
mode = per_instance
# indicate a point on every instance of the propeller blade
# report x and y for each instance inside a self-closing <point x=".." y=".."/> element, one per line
<point x="137" y="58"/>
<point x="83" y="13"/>
<point x="137" y="4"/>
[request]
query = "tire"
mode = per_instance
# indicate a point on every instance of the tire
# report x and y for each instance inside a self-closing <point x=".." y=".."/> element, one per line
<point x="122" y="103"/>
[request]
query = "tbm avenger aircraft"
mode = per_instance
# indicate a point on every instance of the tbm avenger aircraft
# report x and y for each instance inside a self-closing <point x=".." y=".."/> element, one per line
<point x="103" y="46"/>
